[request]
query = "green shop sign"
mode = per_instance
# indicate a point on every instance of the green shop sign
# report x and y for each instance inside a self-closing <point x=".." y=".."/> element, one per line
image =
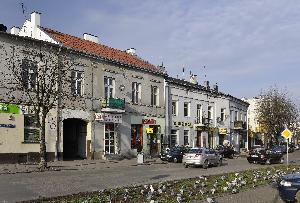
<point x="9" y="108"/>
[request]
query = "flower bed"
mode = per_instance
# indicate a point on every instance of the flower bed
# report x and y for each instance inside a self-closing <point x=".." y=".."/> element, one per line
<point x="184" y="190"/>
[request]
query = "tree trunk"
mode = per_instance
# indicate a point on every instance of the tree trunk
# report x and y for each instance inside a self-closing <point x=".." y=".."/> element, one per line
<point x="43" y="155"/>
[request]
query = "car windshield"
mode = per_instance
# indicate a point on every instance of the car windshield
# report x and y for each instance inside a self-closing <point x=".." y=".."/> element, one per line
<point x="195" y="150"/>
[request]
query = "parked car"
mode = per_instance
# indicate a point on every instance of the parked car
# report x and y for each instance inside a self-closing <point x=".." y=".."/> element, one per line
<point x="288" y="187"/>
<point x="279" y="149"/>
<point x="201" y="157"/>
<point x="264" y="156"/>
<point x="174" y="154"/>
<point x="225" y="151"/>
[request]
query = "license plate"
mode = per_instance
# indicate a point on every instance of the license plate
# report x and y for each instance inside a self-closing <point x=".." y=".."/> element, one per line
<point x="254" y="156"/>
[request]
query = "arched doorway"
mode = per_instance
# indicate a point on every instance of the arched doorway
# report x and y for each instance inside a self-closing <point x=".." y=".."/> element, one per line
<point x="74" y="139"/>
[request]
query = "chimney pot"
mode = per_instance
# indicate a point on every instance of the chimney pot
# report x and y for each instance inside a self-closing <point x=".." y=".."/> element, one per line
<point x="131" y="51"/>
<point x="90" y="37"/>
<point x="206" y="84"/>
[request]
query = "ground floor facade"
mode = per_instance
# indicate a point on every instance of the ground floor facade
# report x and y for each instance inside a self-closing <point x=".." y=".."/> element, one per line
<point x="77" y="134"/>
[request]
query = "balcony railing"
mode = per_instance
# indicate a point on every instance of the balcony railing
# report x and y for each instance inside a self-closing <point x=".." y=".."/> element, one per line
<point x="113" y="103"/>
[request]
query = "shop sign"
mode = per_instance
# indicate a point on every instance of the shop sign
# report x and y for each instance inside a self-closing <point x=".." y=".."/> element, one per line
<point x="181" y="123"/>
<point x="7" y="126"/>
<point x="200" y="128"/>
<point x="112" y="118"/>
<point x="99" y="116"/>
<point x="222" y="131"/>
<point x="150" y="121"/>
<point x="149" y="130"/>
<point x="9" y="108"/>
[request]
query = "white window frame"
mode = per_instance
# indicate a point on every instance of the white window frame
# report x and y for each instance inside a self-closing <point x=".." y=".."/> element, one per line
<point x="175" y="108"/>
<point x="186" y="133"/>
<point x="78" y="80"/>
<point x="188" y="109"/>
<point x="154" y="96"/>
<point x="136" y="92"/>
<point x="199" y="113"/>
<point x="174" y="135"/>
<point x="210" y="112"/>
<point x="109" y="87"/>
<point x="222" y="115"/>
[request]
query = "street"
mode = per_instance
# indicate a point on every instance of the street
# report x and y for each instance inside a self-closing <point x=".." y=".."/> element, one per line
<point x="96" y="175"/>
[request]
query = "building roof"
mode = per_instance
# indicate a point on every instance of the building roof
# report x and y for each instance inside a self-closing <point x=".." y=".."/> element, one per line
<point x="101" y="50"/>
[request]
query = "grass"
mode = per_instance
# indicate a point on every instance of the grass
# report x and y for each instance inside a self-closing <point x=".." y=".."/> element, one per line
<point x="184" y="190"/>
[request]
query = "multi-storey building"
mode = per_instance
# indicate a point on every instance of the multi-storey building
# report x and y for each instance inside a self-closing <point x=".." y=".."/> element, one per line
<point x="114" y="102"/>
<point x="200" y="116"/>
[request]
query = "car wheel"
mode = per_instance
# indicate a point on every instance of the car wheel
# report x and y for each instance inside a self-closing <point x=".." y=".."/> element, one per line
<point x="281" y="160"/>
<point x="205" y="164"/>
<point x="268" y="162"/>
<point x="175" y="160"/>
<point x="297" y="196"/>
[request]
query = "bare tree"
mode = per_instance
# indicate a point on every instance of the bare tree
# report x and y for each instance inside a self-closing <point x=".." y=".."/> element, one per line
<point x="33" y="78"/>
<point x="275" y="111"/>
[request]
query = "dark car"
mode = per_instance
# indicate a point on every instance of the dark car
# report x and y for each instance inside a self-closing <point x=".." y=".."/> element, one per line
<point x="263" y="156"/>
<point x="289" y="186"/>
<point x="174" y="154"/>
<point x="279" y="149"/>
<point x="225" y="151"/>
<point x="164" y="154"/>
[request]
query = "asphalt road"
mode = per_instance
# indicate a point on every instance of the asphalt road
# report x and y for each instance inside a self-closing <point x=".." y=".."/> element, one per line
<point x="28" y="186"/>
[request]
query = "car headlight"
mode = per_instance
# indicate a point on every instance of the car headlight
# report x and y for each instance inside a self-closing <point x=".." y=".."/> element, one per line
<point x="285" y="183"/>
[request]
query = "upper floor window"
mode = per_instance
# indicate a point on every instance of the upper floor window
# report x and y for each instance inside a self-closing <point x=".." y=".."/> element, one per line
<point x="77" y="86"/>
<point x="210" y="112"/>
<point x="154" y="96"/>
<point x="174" y="108"/>
<point x="199" y="113"/>
<point x="186" y="109"/>
<point x="29" y="74"/>
<point x="231" y="115"/>
<point x="222" y="114"/>
<point x="136" y="92"/>
<point x="109" y="87"/>
<point x="235" y="116"/>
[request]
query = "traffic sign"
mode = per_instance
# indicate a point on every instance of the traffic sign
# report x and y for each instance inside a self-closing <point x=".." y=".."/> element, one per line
<point x="286" y="134"/>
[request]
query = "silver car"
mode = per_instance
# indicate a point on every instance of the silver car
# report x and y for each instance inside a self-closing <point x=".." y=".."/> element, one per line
<point x="201" y="157"/>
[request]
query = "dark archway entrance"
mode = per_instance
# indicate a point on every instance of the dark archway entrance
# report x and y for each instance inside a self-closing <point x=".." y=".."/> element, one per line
<point x="74" y="139"/>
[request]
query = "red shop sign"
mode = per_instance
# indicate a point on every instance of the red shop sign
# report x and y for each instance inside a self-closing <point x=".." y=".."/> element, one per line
<point x="149" y="121"/>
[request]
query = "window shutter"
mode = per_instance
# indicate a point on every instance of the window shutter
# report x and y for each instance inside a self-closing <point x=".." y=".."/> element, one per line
<point x="73" y="83"/>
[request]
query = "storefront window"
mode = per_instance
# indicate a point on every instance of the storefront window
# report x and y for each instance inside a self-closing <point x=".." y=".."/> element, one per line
<point x="173" y="138"/>
<point x="109" y="138"/>
<point x="137" y="137"/>
<point x="186" y="138"/>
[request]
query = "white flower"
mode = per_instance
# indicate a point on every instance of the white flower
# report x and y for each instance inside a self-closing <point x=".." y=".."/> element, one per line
<point x="225" y="189"/>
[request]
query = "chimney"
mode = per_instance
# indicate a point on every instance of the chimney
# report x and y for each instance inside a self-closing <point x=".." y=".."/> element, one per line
<point x="35" y="18"/>
<point x="216" y="87"/>
<point x="206" y="84"/>
<point x="131" y="51"/>
<point x="193" y="79"/>
<point x="14" y="30"/>
<point x="90" y="37"/>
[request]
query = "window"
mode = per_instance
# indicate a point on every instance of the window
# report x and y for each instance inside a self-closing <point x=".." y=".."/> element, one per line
<point x="235" y="116"/>
<point x="222" y="114"/>
<point x="77" y="87"/>
<point x="154" y="96"/>
<point x="199" y="113"/>
<point x="174" y="108"/>
<point x="31" y="130"/>
<point x="29" y="74"/>
<point x="186" y="138"/>
<point x="231" y="115"/>
<point x="174" y="138"/>
<point x="109" y="87"/>
<point x="210" y="112"/>
<point x="136" y="92"/>
<point x="186" y="109"/>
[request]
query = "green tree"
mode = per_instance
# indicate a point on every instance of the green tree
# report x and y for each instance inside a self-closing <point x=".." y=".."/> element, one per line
<point x="275" y="111"/>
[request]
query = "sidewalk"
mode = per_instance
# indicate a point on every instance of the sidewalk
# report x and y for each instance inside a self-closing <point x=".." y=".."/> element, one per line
<point x="73" y="165"/>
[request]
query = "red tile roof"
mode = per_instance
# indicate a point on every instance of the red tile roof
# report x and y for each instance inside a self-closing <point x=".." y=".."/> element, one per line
<point x="100" y="50"/>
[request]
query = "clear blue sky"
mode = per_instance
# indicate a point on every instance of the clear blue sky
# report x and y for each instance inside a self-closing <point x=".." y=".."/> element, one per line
<point x="246" y="46"/>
